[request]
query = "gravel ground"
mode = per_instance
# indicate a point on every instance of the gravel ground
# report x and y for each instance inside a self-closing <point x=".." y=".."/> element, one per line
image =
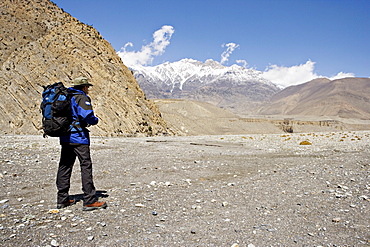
<point x="244" y="190"/>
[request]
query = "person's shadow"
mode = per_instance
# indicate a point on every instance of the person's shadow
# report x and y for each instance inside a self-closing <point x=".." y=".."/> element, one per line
<point x="99" y="194"/>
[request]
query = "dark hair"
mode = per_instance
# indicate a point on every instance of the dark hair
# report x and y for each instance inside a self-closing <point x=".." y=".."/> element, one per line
<point x="79" y="87"/>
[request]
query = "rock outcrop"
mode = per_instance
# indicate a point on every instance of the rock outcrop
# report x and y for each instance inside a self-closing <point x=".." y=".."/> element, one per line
<point x="41" y="44"/>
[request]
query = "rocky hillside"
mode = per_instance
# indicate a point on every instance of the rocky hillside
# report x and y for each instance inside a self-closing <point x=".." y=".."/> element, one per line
<point x="346" y="98"/>
<point x="41" y="44"/>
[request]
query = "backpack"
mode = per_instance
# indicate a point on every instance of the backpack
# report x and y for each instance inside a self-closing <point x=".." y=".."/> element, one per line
<point x="56" y="110"/>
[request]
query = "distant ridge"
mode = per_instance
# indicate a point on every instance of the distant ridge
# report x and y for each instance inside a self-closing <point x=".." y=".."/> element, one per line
<point x="346" y="98"/>
<point x="233" y="87"/>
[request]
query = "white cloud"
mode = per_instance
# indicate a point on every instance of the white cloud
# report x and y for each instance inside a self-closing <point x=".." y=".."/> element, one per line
<point x="226" y="54"/>
<point x="298" y="74"/>
<point x="161" y="39"/>
<point x="287" y="76"/>
<point x="243" y="62"/>
<point x="341" y="75"/>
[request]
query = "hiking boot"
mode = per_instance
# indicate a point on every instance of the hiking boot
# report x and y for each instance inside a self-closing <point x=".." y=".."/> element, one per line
<point x="95" y="205"/>
<point x="66" y="204"/>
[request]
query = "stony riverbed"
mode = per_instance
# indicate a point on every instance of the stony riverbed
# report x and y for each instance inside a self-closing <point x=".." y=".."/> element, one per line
<point x="240" y="190"/>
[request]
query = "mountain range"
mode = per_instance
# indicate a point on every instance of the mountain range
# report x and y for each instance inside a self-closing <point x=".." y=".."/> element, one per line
<point x="246" y="92"/>
<point x="233" y="87"/>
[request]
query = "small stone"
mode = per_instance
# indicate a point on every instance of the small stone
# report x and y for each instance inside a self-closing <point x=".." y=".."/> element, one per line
<point x="154" y="213"/>
<point x="192" y="232"/>
<point x="251" y="245"/>
<point x="139" y="205"/>
<point x="4" y="201"/>
<point x="53" y="211"/>
<point x="336" y="219"/>
<point x="235" y="245"/>
<point x="224" y="204"/>
<point x="54" y="243"/>
<point x="28" y="217"/>
<point x="90" y="238"/>
<point x="343" y="187"/>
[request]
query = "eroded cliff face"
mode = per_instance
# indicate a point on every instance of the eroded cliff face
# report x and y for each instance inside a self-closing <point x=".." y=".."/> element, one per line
<point x="41" y="44"/>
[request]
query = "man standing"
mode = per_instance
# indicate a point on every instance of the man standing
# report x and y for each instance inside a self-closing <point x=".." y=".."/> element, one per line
<point x="77" y="144"/>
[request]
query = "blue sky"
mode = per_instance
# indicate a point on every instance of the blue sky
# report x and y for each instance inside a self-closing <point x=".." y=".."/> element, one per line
<point x="306" y="38"/>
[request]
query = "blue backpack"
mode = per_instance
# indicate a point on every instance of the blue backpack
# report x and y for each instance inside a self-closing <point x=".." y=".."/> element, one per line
<point x="56" y="110"/>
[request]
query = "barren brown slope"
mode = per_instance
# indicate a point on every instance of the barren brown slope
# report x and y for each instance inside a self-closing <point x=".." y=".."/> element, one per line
<point x="41" y="44"/>
<point x="346" y="98"/>
<point x="190" y="118"/>
<point x="201" y="118"/>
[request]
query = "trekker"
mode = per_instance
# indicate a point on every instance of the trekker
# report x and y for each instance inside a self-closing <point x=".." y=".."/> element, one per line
<point x="77" y="144"/>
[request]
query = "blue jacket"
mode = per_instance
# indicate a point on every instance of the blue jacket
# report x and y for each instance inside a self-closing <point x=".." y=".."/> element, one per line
<point x="83" y="115"/>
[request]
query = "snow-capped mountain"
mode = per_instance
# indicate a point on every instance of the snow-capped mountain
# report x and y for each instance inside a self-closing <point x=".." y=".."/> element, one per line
<point x="226" y="86"/>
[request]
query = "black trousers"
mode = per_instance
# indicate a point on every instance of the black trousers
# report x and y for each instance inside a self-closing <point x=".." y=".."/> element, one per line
<point x="67" y="160"/>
